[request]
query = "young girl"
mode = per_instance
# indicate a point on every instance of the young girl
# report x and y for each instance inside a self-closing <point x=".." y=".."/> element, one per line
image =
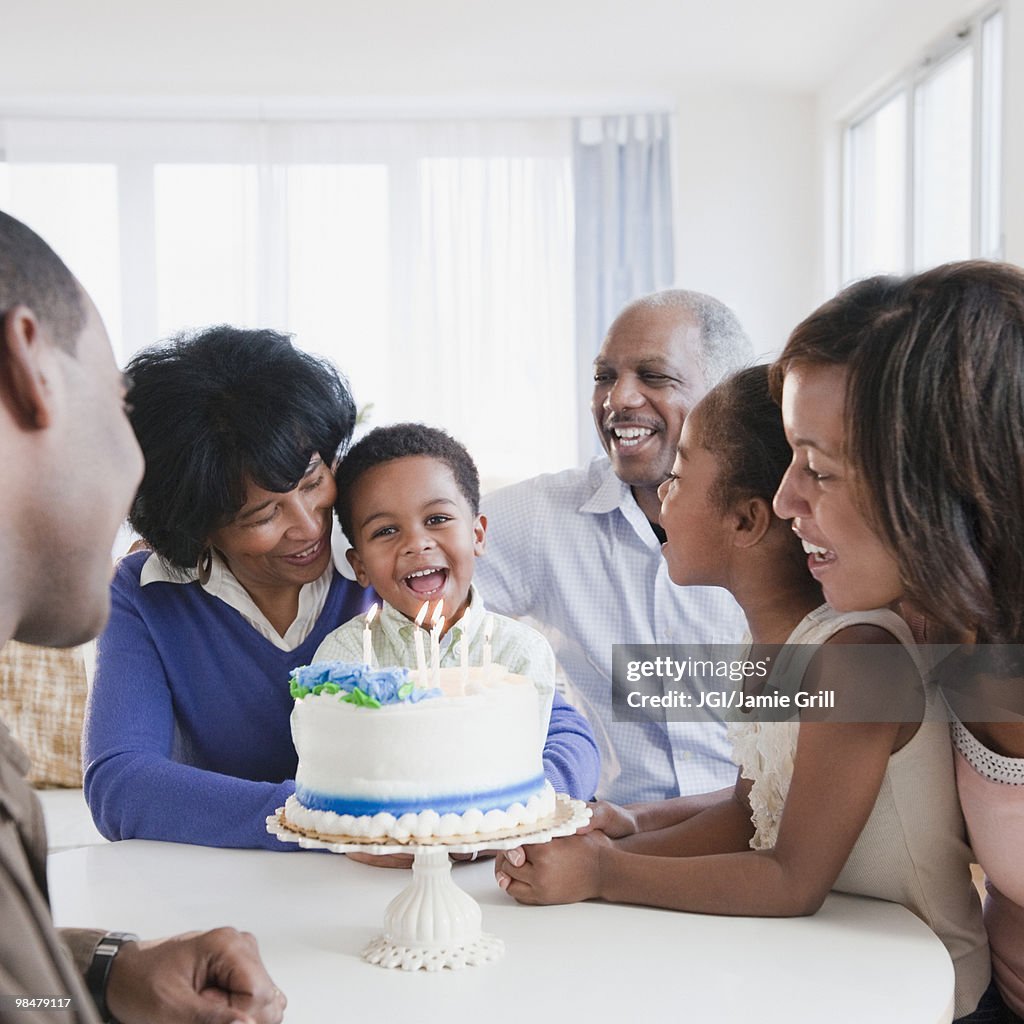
<point x="925" y="384"/>
<point x="870" y="807"/>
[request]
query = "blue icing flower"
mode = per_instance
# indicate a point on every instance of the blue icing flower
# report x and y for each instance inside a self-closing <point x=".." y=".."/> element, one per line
<point x="381" y="687"/>
<point x="342" y="673"/>
<point x="384" y="686"/>
<point x="417" y="694"/>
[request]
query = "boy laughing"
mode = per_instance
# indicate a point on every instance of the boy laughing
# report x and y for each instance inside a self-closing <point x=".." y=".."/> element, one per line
<point x="409" y="503"/>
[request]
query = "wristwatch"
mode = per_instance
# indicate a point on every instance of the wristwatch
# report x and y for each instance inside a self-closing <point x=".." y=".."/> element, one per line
<point x="98" y="974"/>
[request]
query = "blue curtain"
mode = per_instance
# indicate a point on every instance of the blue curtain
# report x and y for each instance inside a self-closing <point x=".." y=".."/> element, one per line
<point x="623" y="205"/>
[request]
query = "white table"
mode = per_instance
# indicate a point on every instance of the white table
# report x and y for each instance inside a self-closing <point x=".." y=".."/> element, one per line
<point x="856" y="960"/>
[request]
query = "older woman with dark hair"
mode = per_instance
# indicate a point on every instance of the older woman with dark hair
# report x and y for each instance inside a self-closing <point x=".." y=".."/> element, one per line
<point x="187" y="737"/>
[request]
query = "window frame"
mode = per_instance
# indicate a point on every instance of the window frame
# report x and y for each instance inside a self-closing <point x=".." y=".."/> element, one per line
<point x="970" y="34"/>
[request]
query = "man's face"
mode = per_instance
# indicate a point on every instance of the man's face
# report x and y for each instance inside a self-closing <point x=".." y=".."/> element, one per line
<point x="101" y="469"/>
<point x="647" y="377"/>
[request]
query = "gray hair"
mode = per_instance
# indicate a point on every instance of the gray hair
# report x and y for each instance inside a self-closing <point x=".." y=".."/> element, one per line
<point x="724" y="347"/>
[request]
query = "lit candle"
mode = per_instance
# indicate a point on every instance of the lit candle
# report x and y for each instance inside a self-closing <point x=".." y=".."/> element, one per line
<point x="421" y="660"/>
<point x="368" y="636"/>
<point x="488" y="629"/>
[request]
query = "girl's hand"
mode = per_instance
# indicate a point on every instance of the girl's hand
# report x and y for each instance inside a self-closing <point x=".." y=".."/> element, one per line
<point x="611" y="819"/>
<point x="563" y="871"/>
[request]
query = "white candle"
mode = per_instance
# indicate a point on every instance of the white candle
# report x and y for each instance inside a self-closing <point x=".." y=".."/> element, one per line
<point x="488" y="629"/>
<point x="437" y="664"/>
<point x="368" y="636"/>
<point x="436" y="625"/>
<point x="421" y="660"/>
<point x="463" y="658"/>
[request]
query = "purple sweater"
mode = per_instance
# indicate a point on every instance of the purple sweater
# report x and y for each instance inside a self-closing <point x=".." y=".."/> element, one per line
<point x="187" y="736"/>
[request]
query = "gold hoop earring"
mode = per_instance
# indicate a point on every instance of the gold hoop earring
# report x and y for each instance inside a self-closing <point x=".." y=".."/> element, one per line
<point x="204" y="567"/>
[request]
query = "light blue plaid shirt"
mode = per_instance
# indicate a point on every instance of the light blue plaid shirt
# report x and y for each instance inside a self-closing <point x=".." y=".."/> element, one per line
<point x="573" y="552"/>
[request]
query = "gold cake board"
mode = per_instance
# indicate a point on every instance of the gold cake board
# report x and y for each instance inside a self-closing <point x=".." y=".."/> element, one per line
<point x="562" y="814"/>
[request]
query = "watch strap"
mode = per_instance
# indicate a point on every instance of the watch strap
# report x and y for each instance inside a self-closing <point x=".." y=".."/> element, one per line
<point x="98" y="975"/>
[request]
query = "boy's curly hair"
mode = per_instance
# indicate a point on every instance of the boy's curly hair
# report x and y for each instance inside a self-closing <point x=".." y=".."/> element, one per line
<point x="399" y="441"/>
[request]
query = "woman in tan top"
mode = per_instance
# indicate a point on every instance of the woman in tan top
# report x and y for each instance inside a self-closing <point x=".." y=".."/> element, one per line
<point x="931" y="372"/>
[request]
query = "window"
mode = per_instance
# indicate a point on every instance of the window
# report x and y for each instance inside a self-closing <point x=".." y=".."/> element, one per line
<point x="943" y="135"/>
<point x="877" y="157"/>
<point x="433" y="262"/>
<point x="74" y="206"/>
<point x="923" y="162"/>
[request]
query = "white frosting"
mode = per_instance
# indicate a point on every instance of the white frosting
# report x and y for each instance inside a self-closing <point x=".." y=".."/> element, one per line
<point x="489" y="738"/>
<point x="425" y="825"/>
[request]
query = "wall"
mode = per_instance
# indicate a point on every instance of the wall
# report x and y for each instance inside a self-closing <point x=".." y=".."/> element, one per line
<point x="746" y="205"/>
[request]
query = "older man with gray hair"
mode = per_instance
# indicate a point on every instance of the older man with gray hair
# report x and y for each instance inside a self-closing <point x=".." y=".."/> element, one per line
<point x="580" y="551"/>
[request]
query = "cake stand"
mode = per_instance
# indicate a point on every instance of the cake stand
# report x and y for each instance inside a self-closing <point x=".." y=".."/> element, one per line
<point x="433" y="923"/>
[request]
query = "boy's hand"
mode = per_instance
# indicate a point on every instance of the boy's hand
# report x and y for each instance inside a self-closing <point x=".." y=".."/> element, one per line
<point x="563" y="871"/>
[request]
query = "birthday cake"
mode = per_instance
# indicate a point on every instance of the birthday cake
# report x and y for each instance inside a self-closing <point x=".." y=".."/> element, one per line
<point x="383" y="758"/>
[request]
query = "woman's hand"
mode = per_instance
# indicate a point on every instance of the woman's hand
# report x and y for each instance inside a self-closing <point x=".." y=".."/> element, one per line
<point x="476" y="855"/>
<point x="404" y="860"/>
<point x="563" y="871"/>
<point x="384" y="860"/>
<point x="214" y="977"/>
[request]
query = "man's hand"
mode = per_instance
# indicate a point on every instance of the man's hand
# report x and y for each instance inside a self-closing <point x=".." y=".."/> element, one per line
<point x="611" y="819"/>
<point x="212" y="977"/>
<point x="563" y="871"/>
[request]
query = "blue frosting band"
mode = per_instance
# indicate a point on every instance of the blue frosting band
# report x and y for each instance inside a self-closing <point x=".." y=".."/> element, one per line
<point x="454" y="803"/>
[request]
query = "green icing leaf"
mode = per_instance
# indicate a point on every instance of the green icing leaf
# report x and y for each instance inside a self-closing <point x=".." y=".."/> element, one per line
<point x="361" y="699"/>
<point x="404" y="691"/>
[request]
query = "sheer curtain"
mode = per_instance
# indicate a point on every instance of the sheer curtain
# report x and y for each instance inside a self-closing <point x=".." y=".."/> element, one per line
<point x="623" y="198"/>
<point x="431" y="261"/>
<point x="436" y="262"/>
